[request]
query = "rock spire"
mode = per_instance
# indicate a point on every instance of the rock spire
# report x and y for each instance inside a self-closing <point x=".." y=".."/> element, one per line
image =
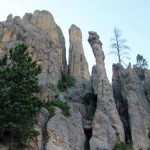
<point x="107" y="127"/>
<point x="78" y="65"/>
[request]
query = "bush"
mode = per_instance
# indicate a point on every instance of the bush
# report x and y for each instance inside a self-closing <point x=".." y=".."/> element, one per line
<point x="65" y="82"/>
<point x="122" y="146"/>
<point x="50" y="104"/>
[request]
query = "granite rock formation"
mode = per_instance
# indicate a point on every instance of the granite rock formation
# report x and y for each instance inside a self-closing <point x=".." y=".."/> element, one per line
<point x="131" y="88"/>
<point x="65" y="133"/>
<point x="45" y="42"/>
<point x="107" y="127"/>
<point x="100" y="114"/>
<point x="78" y="65"/>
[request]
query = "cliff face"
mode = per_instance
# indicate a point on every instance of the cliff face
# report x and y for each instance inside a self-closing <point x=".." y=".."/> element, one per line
<point x="107" y="127"/>
<point x="78" y="65"/>
<point x="45" y="42"/>
<point x="100" y="114"/>
<point x="46" y="45"/>
<point x="131" y="92"/>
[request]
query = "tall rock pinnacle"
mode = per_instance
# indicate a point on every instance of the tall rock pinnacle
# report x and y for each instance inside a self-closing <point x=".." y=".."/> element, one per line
<point x="78" y="65"/>
<point x="107" y="127"/>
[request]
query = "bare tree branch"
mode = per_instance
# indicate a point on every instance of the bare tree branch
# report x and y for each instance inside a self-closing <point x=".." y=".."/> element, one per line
<point x="119" y="46"/>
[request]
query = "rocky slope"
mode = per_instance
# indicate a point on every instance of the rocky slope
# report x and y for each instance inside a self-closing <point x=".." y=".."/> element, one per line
<point x="101" y="115"/>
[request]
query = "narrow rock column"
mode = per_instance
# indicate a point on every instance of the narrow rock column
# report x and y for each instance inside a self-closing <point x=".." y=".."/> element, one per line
<point x="107" y="126"/>
<point x="78" y="66"/>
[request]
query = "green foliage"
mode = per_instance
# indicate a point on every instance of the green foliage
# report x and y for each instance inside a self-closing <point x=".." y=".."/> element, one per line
<point x="122" y="146"/>
<point x="90" y="113"/>
<point x="90" y="100"/>
<point x="141" y="62"/>
<point x="54" y="89"/>
<point x="89" y="97"/>
<point x="3" y="61"/>
<point x="65" y="82"/>
<point x="50" y="104"/>
<point x="119" y="48"/>
<point x="50" y="108"/>
<point x="18" y="103"/>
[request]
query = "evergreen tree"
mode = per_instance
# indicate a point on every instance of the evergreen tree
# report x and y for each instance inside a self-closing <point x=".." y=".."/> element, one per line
<point x="18" y="101"/>
<point x="141" y="62"/>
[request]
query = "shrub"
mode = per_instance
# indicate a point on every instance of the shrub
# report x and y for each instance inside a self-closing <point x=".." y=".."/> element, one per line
<point x="50" y="104"/>
<point x="122" y="146"/>
<point x="65" y="82"/>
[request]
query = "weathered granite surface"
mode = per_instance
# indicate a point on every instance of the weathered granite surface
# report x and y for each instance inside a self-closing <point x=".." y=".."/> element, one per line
<point x="78" y="65"/>
<point x="45" y="40"/>
<point x="107" y="127"/>
<point x="133" y="86"/>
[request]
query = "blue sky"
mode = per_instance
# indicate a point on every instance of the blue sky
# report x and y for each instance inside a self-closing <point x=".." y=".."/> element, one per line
<point x="132" y="17"/>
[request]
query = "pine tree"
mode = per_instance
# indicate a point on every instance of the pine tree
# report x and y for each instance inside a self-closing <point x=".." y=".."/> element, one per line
<point x="141" y="62"/>
<point x="18" y="101"/>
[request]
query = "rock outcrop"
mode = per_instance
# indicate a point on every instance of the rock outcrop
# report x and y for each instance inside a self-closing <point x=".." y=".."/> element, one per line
<point x="107" y="127"/>
<point x="78" y="65"/>
<point x="45" y="42"/>
<point x="131" y="88"/>
<point x="65" y="133"/>
<point x="39" y="142"/>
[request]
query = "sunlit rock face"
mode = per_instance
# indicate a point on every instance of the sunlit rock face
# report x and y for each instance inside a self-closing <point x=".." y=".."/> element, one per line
<point x="78" y="65"/>
<point x="131" y="92"/>
<point x="45" y="42"/>
<point x="107" y="127"/>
